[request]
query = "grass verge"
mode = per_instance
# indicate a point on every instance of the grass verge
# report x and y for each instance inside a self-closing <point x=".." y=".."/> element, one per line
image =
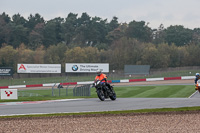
<point x="179" y="110"/>
<point x="168" y="91"/>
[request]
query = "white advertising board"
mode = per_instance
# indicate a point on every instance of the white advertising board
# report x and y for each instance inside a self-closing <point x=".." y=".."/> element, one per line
<point x="39" y="68"/>
<point x="86" y="67"/>
<point x="9" y="94"/>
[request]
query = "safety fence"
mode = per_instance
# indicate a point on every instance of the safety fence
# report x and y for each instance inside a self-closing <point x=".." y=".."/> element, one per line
<point x="83" y="90"/>
<point x="77" y="90"/>
<point x="90" y="82"/>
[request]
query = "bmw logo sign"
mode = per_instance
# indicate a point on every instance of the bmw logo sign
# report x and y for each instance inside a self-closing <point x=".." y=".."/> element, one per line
<point x="74" y="67"/>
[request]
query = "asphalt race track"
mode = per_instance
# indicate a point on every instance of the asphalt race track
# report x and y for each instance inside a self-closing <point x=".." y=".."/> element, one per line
<point x="94" y="104"/>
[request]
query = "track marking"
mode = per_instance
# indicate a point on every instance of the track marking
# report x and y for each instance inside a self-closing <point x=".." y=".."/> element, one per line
<point x="38" y="102"/>
<point x="193" y="94"/>
<point x="56" y="113"/>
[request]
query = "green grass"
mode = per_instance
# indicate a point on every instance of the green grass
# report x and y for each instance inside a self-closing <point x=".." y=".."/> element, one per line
<point x="160" y="110"/>
<point x="168" y="91"/>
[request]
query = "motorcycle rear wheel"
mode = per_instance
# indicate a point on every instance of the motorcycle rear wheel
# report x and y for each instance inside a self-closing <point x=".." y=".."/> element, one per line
<point x="113" y="96"/>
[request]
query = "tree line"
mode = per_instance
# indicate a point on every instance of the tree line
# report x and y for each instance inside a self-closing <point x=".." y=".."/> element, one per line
<point x="124" y="51"/>
<point x="87" y="39"/>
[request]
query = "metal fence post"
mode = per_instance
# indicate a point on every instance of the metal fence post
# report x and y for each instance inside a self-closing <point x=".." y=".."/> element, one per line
<point x="53" y="89"/>
<point x="59" y="90"/>
<point x="89" y="90"/>
<point x="74" y="91"/>
<point x="67" y="90"/>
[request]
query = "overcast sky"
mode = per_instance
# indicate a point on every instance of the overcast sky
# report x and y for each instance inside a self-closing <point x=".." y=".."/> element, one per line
<point x="156" y="12"/>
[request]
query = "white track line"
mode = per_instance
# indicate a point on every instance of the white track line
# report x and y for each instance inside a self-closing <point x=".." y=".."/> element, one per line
<point x="37" y="102"/>
<point x="193" y="94"/>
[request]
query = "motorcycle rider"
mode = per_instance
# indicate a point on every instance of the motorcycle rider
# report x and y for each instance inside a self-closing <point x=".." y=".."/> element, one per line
<point x="102" y="77"/>
<point x="196" y="79"/>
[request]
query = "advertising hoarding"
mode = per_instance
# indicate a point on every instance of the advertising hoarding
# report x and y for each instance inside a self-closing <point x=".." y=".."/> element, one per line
<point x="39" y="68"/>
<point x="6" y="71"/>
<point x="86" y="67"/>
<point x="9" y="94"/>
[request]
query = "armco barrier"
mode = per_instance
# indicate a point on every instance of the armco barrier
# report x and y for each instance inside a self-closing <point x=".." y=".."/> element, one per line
<point x="188" y="77"/>
<point x="3" y="87"/>
<point x="154" y="79"/>
<point x="136" y="80"/>
<point x="36" y="85"/>
<point x="109" y="81"/>
<point x="124" y="81"/>
<point x="115" y="81"/>
<point x="86" y="82"/>
<point x="17" y="86"/>
<point x="70" y="83"/>
<point x="172" y="78"/>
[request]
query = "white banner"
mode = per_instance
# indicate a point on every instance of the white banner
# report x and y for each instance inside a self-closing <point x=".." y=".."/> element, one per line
<point x="39" y="68"/>
<point x="9" y="94"/>
<point x="86" y="67"/>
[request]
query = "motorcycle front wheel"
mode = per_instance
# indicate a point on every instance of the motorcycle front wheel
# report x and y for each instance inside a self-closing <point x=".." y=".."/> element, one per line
<point x="100" y="94"/>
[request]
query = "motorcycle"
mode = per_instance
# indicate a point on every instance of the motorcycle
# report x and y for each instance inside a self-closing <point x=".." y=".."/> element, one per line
<point x="197" y="86"/>
<point x="104" y="92"/>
